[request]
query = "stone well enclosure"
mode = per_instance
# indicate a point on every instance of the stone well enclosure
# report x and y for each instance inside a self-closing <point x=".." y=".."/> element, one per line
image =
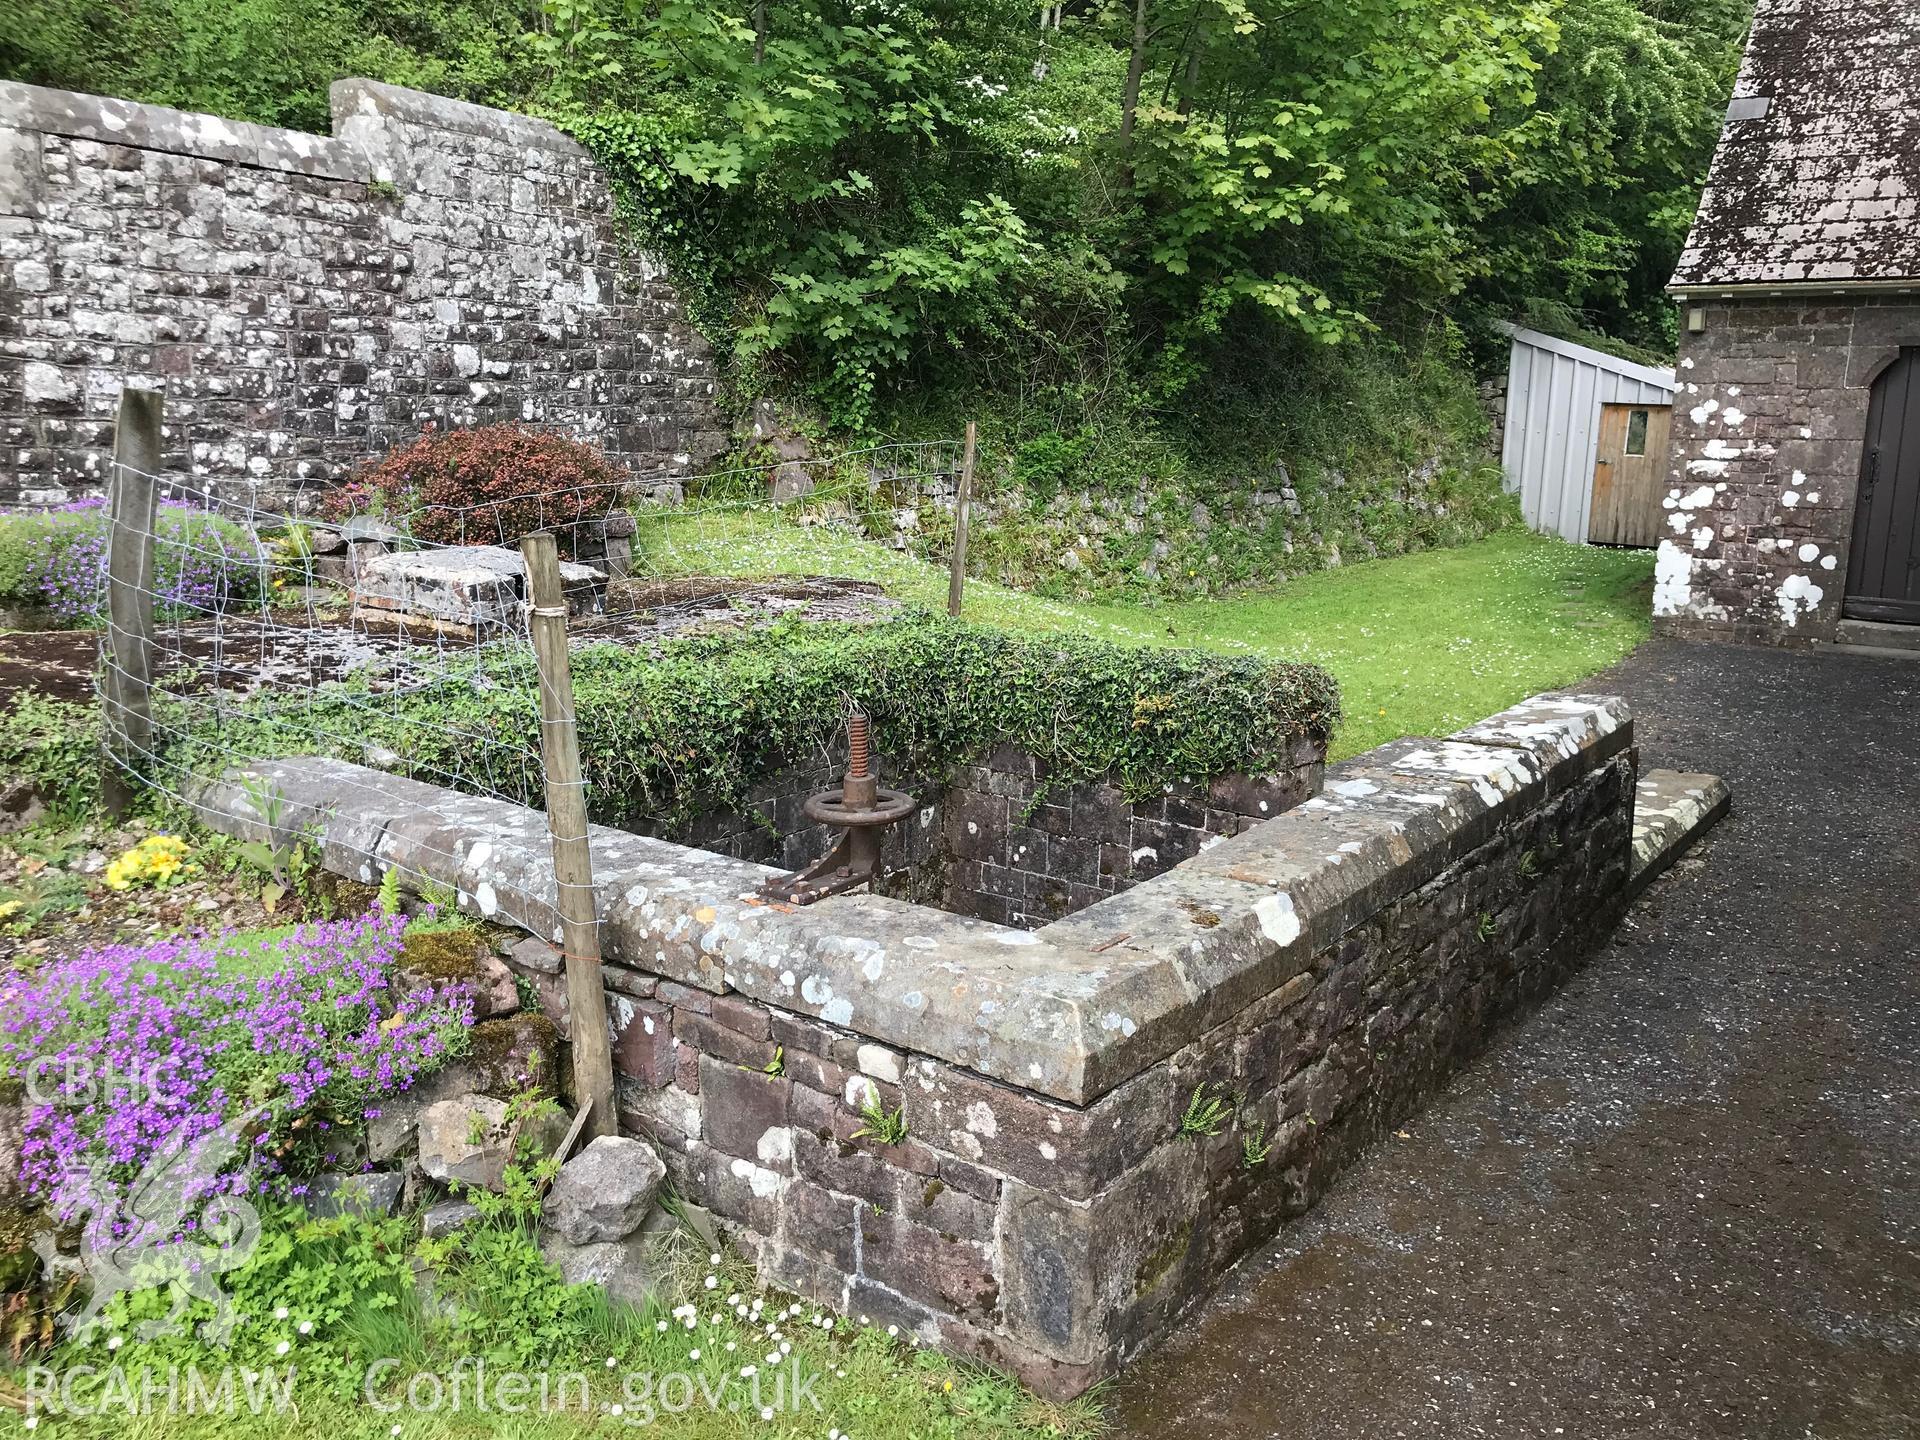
<point x="306" y="301"/>
<point x="1054" y="1205"/>
<point x="1001" y="840"/>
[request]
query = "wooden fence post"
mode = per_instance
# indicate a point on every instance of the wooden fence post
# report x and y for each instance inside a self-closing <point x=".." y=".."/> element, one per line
<point x="126" y="705"/>
<point x="567" y="823"/>
<point x="957" y="578"/>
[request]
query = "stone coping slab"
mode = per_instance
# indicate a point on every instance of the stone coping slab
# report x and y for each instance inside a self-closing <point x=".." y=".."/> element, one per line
<point x="1068" y="1011"/>
<point x="1672" y="809"/>
<point x="354" y="98"/>
<point x="178" y="132"/>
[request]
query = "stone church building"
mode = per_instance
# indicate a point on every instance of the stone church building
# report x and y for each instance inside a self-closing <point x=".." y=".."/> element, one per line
<point x="1793" y="514"/>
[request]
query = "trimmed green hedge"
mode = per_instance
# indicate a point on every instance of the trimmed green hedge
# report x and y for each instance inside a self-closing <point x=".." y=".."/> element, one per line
<point x="700" y="723"/>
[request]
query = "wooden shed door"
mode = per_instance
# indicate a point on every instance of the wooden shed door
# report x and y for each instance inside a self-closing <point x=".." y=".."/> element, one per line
<point x="1883" y="565"/>
<point x="1630" y="475"/>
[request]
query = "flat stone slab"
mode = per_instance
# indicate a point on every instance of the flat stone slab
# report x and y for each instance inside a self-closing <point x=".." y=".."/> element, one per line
<point x="470" y="589"/>
<point x="1672" y="809"/>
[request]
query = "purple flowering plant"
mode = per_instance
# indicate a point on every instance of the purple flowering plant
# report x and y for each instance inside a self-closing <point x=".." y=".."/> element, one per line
<point x="204" y="562"/>
<point x="304" y="1026"/>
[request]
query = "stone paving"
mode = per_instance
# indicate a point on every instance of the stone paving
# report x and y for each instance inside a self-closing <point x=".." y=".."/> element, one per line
<point x="1683" y="1197"/>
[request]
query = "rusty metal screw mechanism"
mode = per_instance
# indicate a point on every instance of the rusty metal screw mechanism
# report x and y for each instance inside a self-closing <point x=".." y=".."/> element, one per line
<point x="860" y="809"/>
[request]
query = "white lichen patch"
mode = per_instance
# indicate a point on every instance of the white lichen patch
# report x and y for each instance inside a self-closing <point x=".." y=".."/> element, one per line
<point x="1797" y="596"/>
<point x="1672" y="579"/>
<point x="1733" y="417"/>
<point x="775" y="1146"/>
<point x="1278" y="922"/>
<point x="763" y="1182"/>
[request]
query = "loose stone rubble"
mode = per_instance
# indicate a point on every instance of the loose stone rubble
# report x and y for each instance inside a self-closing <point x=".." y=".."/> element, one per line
<point x="605" y="1191"/>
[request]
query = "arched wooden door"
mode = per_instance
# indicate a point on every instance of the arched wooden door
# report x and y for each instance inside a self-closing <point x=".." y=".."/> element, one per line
<point x="1883" y="568"/>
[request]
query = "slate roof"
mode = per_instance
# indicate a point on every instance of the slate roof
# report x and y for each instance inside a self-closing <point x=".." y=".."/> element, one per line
<point x="1817" y="174"/>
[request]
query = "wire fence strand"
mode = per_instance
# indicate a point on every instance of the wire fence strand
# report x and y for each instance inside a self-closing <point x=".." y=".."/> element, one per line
<point x="355" y="636"/>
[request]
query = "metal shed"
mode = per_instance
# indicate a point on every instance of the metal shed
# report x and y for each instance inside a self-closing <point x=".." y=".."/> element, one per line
<point x="1557" y="395"/>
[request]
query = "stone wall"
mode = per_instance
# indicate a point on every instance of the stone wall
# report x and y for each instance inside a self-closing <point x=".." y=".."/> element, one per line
<point x="306" y="302"/>
<point x="1768" y="432"/>
<point x="1001" y="842"/>
<point x="1046" y="1208"/>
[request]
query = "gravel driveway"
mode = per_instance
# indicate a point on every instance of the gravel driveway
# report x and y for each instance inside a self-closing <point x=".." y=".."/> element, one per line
<point x="1683" y="1197"/>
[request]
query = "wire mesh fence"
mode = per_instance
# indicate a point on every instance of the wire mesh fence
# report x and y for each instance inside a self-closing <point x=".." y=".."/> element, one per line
<point x="401" y="637"/>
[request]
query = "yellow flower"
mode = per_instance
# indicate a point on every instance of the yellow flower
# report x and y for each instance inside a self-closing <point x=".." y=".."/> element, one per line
<point x="157" y="858"/>
<point x="11" y="908"/>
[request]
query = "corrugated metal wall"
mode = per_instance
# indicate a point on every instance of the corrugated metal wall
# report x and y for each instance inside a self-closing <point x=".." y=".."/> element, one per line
<point x="1554" y="393"/>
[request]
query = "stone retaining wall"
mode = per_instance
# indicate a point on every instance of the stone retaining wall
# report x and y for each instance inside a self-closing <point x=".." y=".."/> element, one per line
<point x="305" y="302"/>
<point x="1046" y="1209"/>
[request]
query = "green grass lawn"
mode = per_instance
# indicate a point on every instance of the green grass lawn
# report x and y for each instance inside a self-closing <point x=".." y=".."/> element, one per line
<point x="1421" y="644"/>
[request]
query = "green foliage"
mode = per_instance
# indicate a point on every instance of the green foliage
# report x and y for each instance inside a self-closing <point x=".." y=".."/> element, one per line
<point x="54" y="744"/>
<point x="1255" y="1147"/>
<point x="700" y="723"/>
<point x="1583" y="228"/>
<point x="1087" y="227"/>
<point x="269" y="61"/>
<point x="388" y="898"/>
<point x="279" y="864"/>
<point x="888" y="1127"/>
<point x="325" y="1300"/>
<point x="528" y="1171"/>
<point x="307" y="1289"/>
<point x="1206" y="1114"/>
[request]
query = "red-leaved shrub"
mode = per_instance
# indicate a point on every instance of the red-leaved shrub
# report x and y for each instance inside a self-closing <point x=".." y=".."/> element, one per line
<point x="487" y="486"/>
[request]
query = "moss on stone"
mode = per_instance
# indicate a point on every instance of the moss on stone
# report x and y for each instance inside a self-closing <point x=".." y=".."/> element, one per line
<point x="436" y="956"/>
<point x="1155" y="1267"/>
<point x="20" y="1226"/>
<point x="515" y="1052"/>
